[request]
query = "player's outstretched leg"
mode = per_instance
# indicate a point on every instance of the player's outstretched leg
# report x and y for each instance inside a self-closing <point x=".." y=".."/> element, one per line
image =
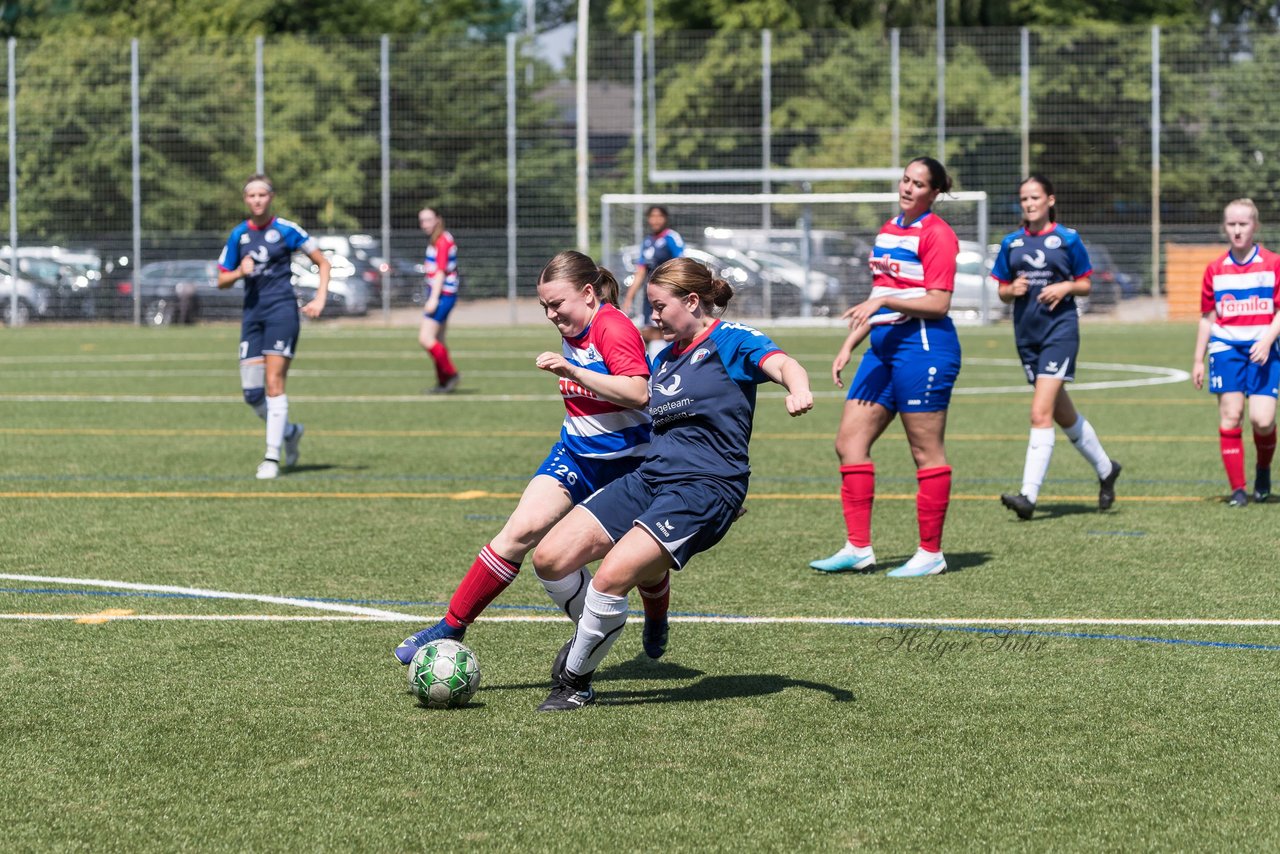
<point x="603" y="616"/>
<point x="409" y="647"/>
<point x="1107" y="487"/>
<point x="1265" y="445"/>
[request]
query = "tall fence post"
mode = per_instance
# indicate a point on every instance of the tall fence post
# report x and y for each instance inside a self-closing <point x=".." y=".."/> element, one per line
<point x="895" y="95"/>
<point x="13" y="184"/>
<point x="942" y="80"/>
<point x="651" y="76"/>
<point x="581" y="129"/>
<point x="512" y="245"/>
<point x="384" y="138"/>
<point x="1025" y="100"/>
<point x="766" y="124"/>
<point x="259" y="108"/>
<point x="1155" y="161"/>
<point x="137" y="182"/>
<point x="637" y="133"/>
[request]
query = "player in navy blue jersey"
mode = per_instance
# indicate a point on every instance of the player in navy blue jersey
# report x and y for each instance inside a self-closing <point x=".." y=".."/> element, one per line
<point x="1042" y="267"/>
<point x="661" y="245"/>
<point x="260" y="252"/>
<point x="690" y="487"/>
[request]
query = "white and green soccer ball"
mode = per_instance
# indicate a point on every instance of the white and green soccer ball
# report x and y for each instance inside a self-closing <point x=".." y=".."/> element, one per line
<point x="444" y="674"/>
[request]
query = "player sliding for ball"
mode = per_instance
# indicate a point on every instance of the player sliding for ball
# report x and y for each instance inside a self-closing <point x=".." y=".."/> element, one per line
<point x="690" y="487"/>
<point x="604" y="381"/>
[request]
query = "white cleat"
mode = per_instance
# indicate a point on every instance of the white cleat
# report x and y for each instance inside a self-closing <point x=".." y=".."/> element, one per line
<point x="291" y="446"/>
<point x="922" y="563"/>
<point x="850" y="558"/>
<point x="268" y="470"/>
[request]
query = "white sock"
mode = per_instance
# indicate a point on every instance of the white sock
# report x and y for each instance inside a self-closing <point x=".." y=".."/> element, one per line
<point x="277" y="420"/>
<point x="1039" y="452"/>
<point x="569" y="592"/>
<point x="1086" y="442"/>
<point x="603" y="617"/>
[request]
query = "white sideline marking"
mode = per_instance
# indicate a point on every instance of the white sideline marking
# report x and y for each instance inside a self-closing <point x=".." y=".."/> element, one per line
<point x="359" y="610"/>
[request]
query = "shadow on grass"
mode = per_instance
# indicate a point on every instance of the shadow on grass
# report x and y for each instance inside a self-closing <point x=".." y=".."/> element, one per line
<point x="727" y="687"/>
<point x="303" y="469"/>
<point x="1045" y="512"/>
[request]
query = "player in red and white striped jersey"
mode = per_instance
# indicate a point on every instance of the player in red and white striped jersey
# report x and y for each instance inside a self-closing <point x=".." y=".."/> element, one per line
<point x="1238" y="329"/>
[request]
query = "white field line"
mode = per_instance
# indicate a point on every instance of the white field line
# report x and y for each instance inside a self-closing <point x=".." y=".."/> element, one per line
<point x="336" y="607"/>
<point x="1162" y="376"/>
<point x="361" y="613"/>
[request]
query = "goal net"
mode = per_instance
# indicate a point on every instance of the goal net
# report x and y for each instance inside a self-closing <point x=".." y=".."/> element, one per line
<point x="796" y="255"/>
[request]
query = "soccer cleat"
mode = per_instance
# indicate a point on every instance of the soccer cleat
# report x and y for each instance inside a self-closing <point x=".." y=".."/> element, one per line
<point x="1107" y="487"/>
<point x="654" y="636"/>
<point x="850" y="558"/>
<point x="1019" y="503"/>
<point x="570" y="691"/>
<point x="446" y="387"/>
<point x="566" y="699"/>
<point x="1239" y="498"/>
<point x="557" y="665"/>
<point x="409" y="646"/>
<point x="922" y="563"/>
<point x="291" y="446"/>
<point x="1261" y="484"/>
<point x="268" y="470"/>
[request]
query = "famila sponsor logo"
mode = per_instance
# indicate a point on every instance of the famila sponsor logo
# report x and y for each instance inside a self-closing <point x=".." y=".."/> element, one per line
<point x="1229" y="306"/>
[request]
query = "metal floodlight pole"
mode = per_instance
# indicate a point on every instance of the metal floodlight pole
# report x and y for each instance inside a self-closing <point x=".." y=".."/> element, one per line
<point x="1025" y="100"/>
<point x="584" y="237"/>
<point x="530" y="30"/>
<point x="13" y="182"/>
<point x="766" y="124"/>
<point x="895" y="95"/>
<point x="653" y="92"/>
<point x="637" y="131"/>
<point x="384" y="113"/>
<point x="137" y="183"/>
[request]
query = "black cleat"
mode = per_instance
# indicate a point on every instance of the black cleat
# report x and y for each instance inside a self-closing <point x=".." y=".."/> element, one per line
<point x="557" y="666"/>
<point x="1239" y="498"/>
<point x="569" y="691"/>
<point x="654" y="636"/>
<point x="1019" y="503"/>
<point x="1261" y="484"/>
<point x="1107" y="487"/>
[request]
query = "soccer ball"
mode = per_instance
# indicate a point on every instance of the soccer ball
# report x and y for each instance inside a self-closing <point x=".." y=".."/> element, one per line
<point x="444" y="674"/>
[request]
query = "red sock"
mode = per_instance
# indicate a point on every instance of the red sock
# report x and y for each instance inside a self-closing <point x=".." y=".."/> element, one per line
<point x="1266" y="447"/>
<point x="488" y="576"/>
<point x="444" y="365"/>
<point x="932" y="498"/>
<point x="857" y="492"/>
<point x="1232" y="446"/>
<point x="657" y="598"/>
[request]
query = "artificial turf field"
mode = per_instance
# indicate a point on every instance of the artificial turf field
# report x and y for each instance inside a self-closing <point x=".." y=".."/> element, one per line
<point x="160" y="719"/>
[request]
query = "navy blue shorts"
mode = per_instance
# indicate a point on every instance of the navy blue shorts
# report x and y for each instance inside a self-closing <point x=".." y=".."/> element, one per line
<point x="270" y="331"/>
<point x="685" y="518"/>
<point x="1054" y="358"/>
<point x="443" y="306"/>
<point x="909" y="367"/>
<point x="1231" y="371"/>
<point x="581" y="476"/>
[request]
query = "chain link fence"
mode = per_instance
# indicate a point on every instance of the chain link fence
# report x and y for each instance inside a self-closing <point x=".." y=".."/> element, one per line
<point x="1145" y="133"/>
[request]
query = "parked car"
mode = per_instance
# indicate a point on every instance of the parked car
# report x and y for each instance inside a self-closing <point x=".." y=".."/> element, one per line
<point x="360" y="251"/>
<point x="185" y="291"/>
<point x="70" y="282"/>
<point x="973" y="279"/>
<point x="348" y="292"/>
<point x="1110" y="284"/>
<point x="32" y="299"/>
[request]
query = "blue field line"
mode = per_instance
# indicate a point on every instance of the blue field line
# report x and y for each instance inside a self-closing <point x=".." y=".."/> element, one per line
<point x="708" y="615"/>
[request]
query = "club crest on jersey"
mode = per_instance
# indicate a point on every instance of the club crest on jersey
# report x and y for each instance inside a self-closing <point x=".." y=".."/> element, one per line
<point x="698" y="356"/>
<point x="1053" y="241"/>
<point x="670" y="388"/>
<point x="272" y="236"/>
<point x="244" y="238"/>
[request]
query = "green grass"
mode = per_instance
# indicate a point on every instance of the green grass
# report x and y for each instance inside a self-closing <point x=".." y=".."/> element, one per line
<point x="250" y="735"/>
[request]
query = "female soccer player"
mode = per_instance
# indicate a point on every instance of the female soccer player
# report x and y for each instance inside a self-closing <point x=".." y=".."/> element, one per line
<point x="260" y="251"/>
<point x="910" y="368"/>
<point x="661" y="245"/>
<point x="604" y="380"/>
<point x="1042" y="267"/>
<point x="687" y="492"/>
<point x="442" y="294"/>
<point x="1238" y="328"/>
